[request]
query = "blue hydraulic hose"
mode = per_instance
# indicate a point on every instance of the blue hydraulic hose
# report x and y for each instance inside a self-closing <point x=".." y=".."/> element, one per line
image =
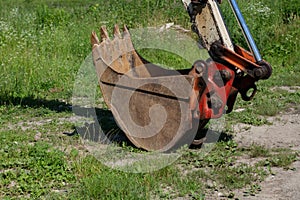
<point x="245" y="30"/>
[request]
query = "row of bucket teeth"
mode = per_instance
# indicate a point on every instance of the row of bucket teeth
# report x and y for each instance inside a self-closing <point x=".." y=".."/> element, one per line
<point x="118" y="53"/>
<point x="105" y="36"/>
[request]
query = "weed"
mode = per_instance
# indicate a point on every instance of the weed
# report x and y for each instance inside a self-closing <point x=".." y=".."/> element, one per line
<point x="32" y="169"/>
<point x="258" y="151"/>
<point x="282" y="159"/>
<point x="238" y="176"/>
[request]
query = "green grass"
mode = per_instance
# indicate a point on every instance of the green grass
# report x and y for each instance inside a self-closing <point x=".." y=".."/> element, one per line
<point x="58" y="166"/>
<point x="31" y="168"/>
<point x="43" y="43"/>
<point x="42" y="46"/>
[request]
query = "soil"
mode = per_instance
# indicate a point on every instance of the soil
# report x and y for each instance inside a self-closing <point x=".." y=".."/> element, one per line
<point x="283" y="133"/>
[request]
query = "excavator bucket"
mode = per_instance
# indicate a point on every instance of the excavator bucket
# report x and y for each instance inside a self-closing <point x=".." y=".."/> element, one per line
<point x="149" y="103"/>
<point x="160" y="109"/>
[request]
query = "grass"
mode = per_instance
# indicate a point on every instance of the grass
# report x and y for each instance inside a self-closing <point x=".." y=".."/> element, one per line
<point x="43" y="44"/>
<point x="70" y="172"/>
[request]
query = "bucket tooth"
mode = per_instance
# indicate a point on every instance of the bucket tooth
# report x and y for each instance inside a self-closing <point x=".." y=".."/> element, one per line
<point x="104" y="34"/>
<point x="94" y="39"/>
<point x="117" y="33"/>
<point x="126" y="32"/>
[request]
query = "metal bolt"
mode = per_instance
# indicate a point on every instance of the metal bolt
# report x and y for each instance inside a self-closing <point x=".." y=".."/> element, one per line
<point x="200" y="66"/>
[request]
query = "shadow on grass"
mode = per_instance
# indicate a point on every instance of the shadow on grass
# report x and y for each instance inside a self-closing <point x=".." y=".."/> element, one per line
<point x="211" y="136"/>
<point x="104" y="129"/>
<point x="32" y="102"/>
<point x="102" y="126"/>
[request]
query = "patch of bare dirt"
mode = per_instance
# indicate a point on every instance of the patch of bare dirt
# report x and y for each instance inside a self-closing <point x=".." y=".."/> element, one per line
<point x="284" y="185"/>
<point x="283" y="133"/>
